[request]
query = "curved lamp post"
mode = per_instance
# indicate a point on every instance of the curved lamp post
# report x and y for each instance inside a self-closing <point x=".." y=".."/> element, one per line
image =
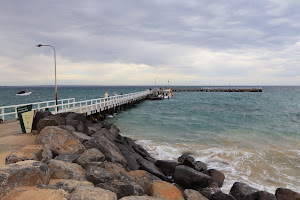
<point x="40" y="45"/>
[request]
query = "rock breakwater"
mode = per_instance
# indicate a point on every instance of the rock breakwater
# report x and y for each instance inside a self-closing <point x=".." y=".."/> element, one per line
<point x="74" y="158"/>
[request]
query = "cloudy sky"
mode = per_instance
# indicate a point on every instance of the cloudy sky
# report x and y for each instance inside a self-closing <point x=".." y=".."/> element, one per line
<point x="130" y="42"/>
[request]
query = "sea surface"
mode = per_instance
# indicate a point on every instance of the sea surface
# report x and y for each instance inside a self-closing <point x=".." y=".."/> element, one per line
<point x="251" y="137"/>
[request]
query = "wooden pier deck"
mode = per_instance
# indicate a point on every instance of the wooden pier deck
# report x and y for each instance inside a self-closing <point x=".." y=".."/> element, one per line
<point x="217" y="89"/>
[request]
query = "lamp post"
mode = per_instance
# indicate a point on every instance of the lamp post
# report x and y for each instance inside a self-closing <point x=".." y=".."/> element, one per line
<point x="40" y="45"/>
<point x="155" y="81"/>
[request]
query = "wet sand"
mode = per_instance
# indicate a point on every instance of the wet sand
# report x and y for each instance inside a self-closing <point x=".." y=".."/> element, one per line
<point x="11" y="137"/>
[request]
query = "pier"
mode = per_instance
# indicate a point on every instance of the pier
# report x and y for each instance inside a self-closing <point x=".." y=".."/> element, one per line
<point x="217" y="89"/>
<point x="100" y="106"/>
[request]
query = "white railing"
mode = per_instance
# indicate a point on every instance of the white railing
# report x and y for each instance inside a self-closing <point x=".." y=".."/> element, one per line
<point x="70" y="105"/>
<point x="37" y="106"/>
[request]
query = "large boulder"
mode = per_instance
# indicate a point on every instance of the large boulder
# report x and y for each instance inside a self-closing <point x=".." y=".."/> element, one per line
<point x="65" y="170"/>
<point x="96" y="174"/>
<point x="68" y="157"/>
<point x="131" y="157"/>
<point x="90" y="155"/>
<point x="29" y="152"/>
<point x="190" y="178"/>
<point x="108" y="148"/>
<point x="152" y="168"/>
<point x="69" y="184"/>
<point x="217" y="176"/>
<point x="35" y="193"/>
<point x="77" y="116"/>
<point x="189" y="161"/>
<point x="47" y="121"/>
<point x="38" y="116"/>
<point x="143" y="178"/>
<point x="124" y="187"/>
<point x="164" y="190"/>
<point x="221" y="196"/>
<point x="92" y="193"/>
<point x="190" y="194"/>
<point x="81" y="136"/>
<point x="25" y="173"/>
<point x="167" y="166"/>
<point x="260" y="195"/>
<point x="60" y="141"/>
<point x="105" y="133"/>
<point x="240" y="190"/>
<point x="286" y="194"/>
<point x="209" y="191"/>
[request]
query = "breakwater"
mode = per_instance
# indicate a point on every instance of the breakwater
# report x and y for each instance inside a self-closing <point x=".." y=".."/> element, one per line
<point x="74" y="158"/>
<point x="217" y="89"/>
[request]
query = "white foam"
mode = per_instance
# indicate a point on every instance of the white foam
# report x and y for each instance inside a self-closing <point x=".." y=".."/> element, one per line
<point x="243" y="165"/>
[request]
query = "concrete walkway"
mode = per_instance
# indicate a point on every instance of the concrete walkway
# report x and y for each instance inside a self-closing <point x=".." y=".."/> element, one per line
<point x="11" y="137"/>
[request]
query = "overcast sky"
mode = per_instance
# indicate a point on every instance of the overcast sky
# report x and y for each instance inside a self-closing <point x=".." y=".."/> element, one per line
<point x="130" y="42"/>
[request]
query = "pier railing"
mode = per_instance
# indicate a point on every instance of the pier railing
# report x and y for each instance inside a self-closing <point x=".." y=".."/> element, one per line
<point x="70" y="105"/>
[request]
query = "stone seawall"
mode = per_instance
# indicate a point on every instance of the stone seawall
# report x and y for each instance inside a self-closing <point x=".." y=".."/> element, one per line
<point x="74" y="158"/>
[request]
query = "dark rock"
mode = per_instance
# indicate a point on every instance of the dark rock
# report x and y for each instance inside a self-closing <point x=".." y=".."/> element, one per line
<point x="260" y="195"/>
<point x="190" y="194"/>
<point x="68" y="128"/>
<point x="131" y="157"/>
<point x="90" y="130"/>
<point x="90" y="155"/>
<point x="1" y="121"/>
<point x="200" y="166"/>
<point x="221" y="196"/>
<point x="240" y="190"/>
<point x="152" y="168"/>
<point x="133" y="147"/>
<point x="73" y="123"/>
<point x="81" y="128"/>
<point x="105" y="133"/>
<point x="38" y="116"/>
<point x="98" y="125"/>
<point x="72" y="158"/>
<point x="65" y="170"/>
<point x="189" y="161"/>
<point x="286" y="194"/>
<point x="97" y="174"/>
<point x="107" y="126"/>
<point x="167" y="166"/>
<point x="208" y="192"/>
<point x="217" y="176"/>
<point x="81" y="136"/>
<point x="122" y="188"/>
<point x="25" y="173"/>
<point x="190" y="178"/>
<point x="77" y="116"/>
<point x="109" y="149"/>
<point x="47" y="121"/>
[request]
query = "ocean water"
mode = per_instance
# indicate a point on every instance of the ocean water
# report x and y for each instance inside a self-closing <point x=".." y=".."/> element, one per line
<point x="251" y="137"/>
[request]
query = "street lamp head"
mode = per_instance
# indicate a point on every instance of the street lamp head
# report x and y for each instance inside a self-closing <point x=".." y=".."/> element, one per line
<point x="39" y="45"/>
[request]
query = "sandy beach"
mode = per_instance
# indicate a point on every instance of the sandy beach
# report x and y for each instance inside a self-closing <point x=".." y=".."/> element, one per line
<point x="12" y="137"/>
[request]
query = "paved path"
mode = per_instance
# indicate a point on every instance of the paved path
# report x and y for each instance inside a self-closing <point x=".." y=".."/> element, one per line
<point x="11" y="137"/>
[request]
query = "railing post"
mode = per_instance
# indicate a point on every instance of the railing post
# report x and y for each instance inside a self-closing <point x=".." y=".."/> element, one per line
<point x="2" y="112"/>
<point x="16" y="113"/>
<point x="38" y="108"/>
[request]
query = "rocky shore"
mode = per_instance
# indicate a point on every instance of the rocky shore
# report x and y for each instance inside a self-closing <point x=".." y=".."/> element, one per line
<point x="75" y="158"/>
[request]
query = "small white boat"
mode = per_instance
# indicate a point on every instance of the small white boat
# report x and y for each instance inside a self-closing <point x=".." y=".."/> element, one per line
<point x="168" y="94"/>
<point x="23" y="93"/>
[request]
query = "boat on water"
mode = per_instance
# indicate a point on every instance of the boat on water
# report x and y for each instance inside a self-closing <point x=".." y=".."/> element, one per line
<point x="167" y="94"/>
<point x="23" y="93"/>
